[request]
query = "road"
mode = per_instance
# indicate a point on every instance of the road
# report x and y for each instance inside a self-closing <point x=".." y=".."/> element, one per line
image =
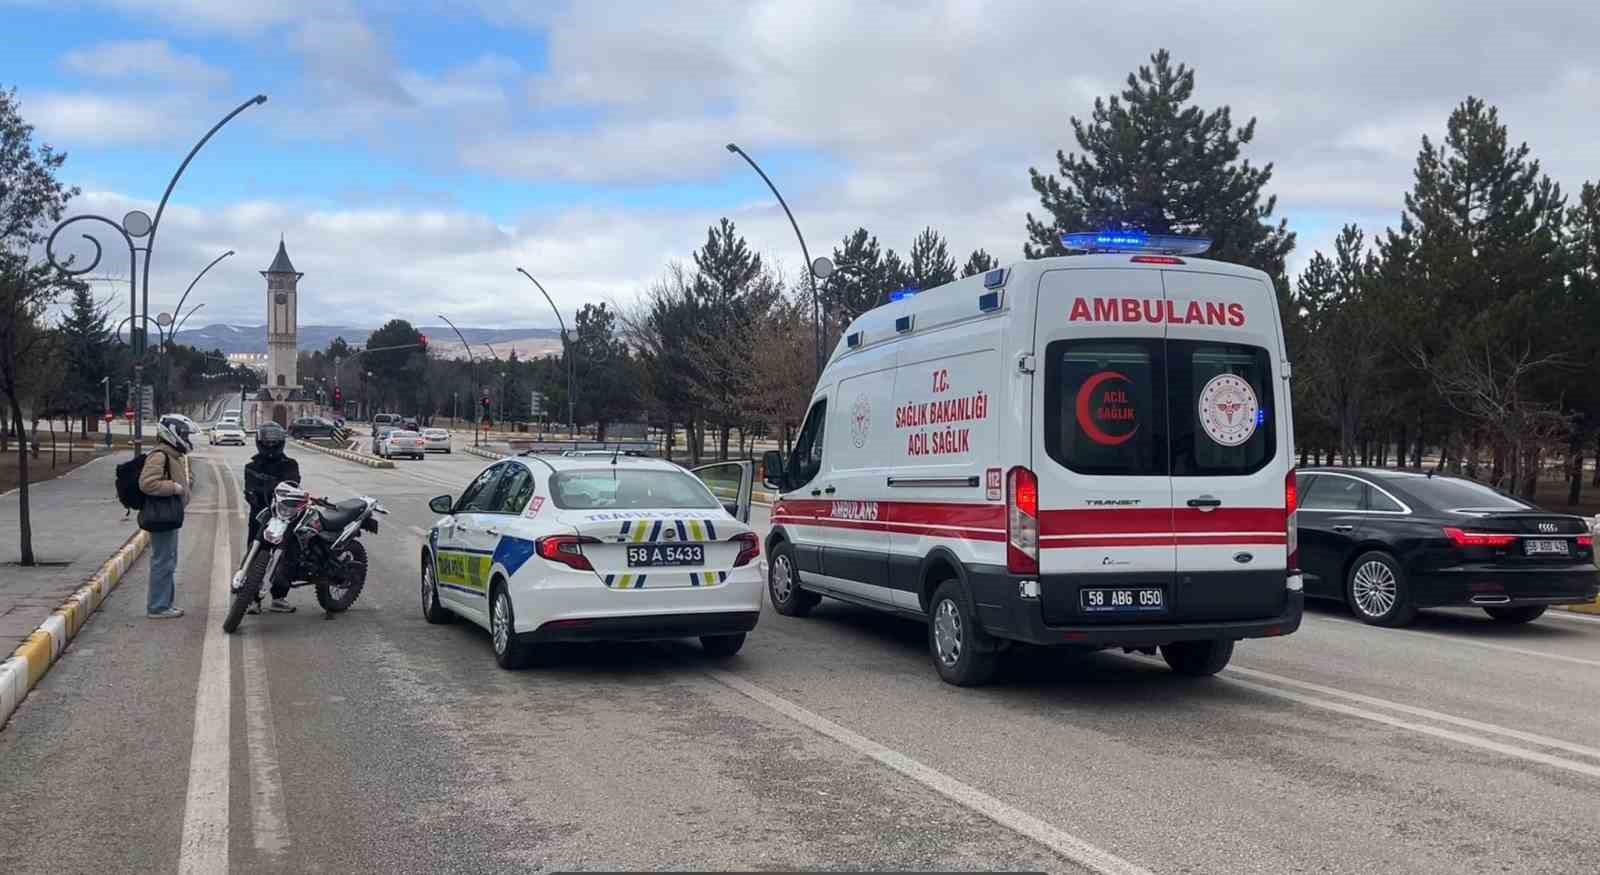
<point x="373" y="741"/>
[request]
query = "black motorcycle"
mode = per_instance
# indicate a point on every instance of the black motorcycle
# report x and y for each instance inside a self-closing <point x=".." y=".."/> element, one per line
<point x="309" y="542"/>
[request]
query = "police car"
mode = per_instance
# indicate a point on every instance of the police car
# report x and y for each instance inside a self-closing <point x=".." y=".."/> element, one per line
<point x="1092" y="450"/>
<point x="543" y="549"/>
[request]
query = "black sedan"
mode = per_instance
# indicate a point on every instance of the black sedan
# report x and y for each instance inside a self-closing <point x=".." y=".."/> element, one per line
<point x="1390" y="542"/>
<point x="312" y="427"/>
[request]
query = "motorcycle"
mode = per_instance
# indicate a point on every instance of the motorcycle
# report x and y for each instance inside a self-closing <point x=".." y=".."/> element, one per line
<point x="308" y="541"/>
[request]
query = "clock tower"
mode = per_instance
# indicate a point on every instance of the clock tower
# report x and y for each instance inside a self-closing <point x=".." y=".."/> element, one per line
<point x="283" y="377"/>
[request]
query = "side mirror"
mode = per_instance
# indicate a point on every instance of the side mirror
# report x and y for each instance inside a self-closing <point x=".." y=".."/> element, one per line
<point x="772" y="470"/>
<point x="441" y="504"/>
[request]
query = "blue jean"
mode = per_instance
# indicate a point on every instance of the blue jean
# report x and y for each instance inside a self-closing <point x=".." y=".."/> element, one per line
<point x="163" y="564"/>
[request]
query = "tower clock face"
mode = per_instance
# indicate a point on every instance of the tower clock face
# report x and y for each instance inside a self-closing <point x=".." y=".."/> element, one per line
<point x="282" y="298"/>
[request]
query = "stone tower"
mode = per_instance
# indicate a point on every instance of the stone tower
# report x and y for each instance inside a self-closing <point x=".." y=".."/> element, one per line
<point x="283" y="377"/>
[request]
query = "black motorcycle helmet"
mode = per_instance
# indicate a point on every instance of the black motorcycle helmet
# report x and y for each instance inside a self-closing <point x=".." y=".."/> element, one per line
<point x="270" y="439"/>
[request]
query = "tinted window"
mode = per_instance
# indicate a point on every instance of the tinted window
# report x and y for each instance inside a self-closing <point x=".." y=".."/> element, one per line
<point x="624" y="489"/>
<point x="1451" y="493"/>
<point x="479" y="495"/>
<point x="1222" y="415"/>
<point x="1378" y="501"/>
<point x="1334" y="493"/>
<point x="1104" y="412"/>
<point x="514" y="490"/>
<point x="807" y="458"/>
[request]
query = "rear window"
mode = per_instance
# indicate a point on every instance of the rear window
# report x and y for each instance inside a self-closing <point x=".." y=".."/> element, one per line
<point x="1158" y="407"/>
<point x="1451" y="493"/>
<point x="625" y="489"/>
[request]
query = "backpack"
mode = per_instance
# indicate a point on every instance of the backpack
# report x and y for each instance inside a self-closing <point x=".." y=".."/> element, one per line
<point x="128" y="491"/>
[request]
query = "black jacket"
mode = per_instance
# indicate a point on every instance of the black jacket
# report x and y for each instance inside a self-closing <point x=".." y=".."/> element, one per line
<point x="262" y="474"/>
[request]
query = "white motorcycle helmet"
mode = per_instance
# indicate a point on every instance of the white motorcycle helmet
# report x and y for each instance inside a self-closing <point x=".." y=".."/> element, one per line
<point x="173" y="438"/>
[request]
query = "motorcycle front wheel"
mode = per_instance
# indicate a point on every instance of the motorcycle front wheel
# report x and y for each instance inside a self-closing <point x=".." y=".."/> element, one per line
<point x="254" y="575"/>
<point x="339" y="593"/>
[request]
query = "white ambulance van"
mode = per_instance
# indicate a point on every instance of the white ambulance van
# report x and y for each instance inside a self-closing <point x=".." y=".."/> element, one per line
<point x="1093" y="451"/>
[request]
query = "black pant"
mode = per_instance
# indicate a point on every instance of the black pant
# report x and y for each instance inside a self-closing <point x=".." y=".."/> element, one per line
<point x="280" y="586"/>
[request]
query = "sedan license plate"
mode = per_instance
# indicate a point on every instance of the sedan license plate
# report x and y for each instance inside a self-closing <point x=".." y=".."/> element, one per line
<point x="1123" y="600"/>
<point x="647" y="555"/>
<point x="1542" y="547"/>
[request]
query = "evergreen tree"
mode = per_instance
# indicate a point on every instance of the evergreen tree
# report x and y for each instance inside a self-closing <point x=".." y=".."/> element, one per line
<point x="607" y="388"/>
<point x="931" y="264"/>
<point x="85" y="343"/>
<point x="856" y="285"/>
<point x="1151" y="161"/>
<point x="979" y="262"/>
<point x="725" y="267"/>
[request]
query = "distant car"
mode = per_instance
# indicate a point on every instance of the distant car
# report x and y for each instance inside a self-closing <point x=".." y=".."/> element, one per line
<point x="388" y="420"/>
<point x="436" y="440"/>
<point x="312" y="427"/>
<point x="379" y="432"/>
<point x="1390" y="542"/>
<point x="411" y="424"/>
<point x="227" y="434"/>
<point x="399" y="442"/>
<point x="228" y="420"/>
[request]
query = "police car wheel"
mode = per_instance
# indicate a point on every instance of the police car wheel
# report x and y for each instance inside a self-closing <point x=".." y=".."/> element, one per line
<point x="509" y="652"/>
<point x="963" y="654"/>
<point x="432" y="611"/>
<point x="1197" y="659"/>
<point x="783" y="584"/>
<point x="721" y="646"/>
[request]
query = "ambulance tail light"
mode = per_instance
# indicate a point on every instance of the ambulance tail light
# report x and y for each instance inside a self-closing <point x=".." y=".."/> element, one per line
<point x="565" y="549"/>
<point x="1022" y="521"/>
<point x="1291" y="503"/>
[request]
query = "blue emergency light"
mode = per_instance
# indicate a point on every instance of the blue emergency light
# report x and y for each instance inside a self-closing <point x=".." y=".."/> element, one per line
<point x="902" y="294"/>
<point x="1135" y="241"/>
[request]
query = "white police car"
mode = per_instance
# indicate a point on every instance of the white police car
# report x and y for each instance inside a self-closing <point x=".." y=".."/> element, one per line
<point x="542" y="549"/>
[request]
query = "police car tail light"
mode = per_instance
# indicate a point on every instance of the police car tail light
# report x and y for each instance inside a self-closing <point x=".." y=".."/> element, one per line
<point x="1291" y="526"/>
<point x="566" y="549"/>
<point x="749" y="548"/>
<point x="1022" y="521"/>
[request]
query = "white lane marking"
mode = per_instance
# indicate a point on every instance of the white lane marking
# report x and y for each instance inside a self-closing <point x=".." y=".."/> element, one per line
<point x="1509" y="750"/>
<point x="1433" y="636"/>
<point x="268" y="821"/>
<point x="1069" y="846"/>
<point x="1559" y="614"/>
<point x="204" y="848"/>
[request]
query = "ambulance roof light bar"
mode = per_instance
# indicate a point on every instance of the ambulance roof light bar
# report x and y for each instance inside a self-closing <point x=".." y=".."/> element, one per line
<point x="1135" y="241"/>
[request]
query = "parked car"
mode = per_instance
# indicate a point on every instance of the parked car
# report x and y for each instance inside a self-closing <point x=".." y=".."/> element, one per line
<point x="1388" y="543"/>
<point x="399" y="442"/>
<point x="226" y="434"/>
<point x="436" y="440"/>
<point x="312" y="427"/>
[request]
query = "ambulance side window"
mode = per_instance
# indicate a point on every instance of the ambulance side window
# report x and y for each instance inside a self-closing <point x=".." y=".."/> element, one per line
<point x="1222" y="408"/>
<point x="807" y="458"/>
<point x="1105" y="407"/>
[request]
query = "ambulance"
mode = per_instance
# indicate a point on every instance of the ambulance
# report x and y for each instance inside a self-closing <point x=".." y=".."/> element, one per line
<point x="1091" y="451"/>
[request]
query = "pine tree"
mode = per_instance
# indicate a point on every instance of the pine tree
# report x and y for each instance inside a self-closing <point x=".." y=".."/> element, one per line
<point x="1152" y="161"/>
<point x="979" y="262"/>
<point x="85" y="342"/>
<point x="931" y="264"/>
<point x="856" y="285"/>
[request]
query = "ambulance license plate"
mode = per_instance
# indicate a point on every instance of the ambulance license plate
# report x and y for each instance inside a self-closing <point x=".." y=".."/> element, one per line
<point x="1546" y="548"/>
<point x="648" y="555"/>
<point x="1123" y="600"/>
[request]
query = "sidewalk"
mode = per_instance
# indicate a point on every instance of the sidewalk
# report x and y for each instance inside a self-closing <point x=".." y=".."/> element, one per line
<point x="77" y="525"/>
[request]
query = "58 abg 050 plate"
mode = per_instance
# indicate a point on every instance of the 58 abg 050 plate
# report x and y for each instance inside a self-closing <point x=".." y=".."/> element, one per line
<point x="1123" y="600"/>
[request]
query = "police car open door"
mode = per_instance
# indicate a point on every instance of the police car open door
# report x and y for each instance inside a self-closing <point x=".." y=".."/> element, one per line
<point x="731" y="483"/>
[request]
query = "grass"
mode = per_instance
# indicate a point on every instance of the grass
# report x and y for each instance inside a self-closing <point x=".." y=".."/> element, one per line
<point x="39" y="469"/>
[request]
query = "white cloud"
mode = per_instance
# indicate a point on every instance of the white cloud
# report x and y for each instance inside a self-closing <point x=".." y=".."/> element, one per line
<point x="74" y="119"/>
<point x="127" y="61"/>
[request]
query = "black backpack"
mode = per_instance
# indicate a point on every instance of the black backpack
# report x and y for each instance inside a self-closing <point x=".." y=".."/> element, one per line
<point x="128" y="491"/>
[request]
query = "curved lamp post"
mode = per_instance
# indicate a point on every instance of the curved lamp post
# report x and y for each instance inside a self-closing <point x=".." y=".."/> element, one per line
<point x="137" y="225"/>
<point x="203" y="271"/>
<point x="476" y="391"/>
<point x="186" y="319"/>
<point x="566" y="353"/>
<point x="821" y="267"/>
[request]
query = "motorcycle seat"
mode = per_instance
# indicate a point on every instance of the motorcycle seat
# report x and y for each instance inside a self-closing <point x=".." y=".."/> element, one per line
<point x="343" y="514"/>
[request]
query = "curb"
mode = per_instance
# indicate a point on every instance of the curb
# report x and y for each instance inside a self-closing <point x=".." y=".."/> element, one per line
<point x="28" y="664"/>
<point x="484" y="454"/>
<point x="345" y="454"/>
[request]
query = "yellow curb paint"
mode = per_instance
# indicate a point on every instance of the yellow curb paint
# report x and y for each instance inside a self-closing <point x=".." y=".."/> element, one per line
<point x="36" y="650"/>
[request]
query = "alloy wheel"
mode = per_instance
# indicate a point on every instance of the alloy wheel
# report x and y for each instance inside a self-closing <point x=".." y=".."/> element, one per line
<point x="501" y="622"/>
<point x="1374" y="588"/>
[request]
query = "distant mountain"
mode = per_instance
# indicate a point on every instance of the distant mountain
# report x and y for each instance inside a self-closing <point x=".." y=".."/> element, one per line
<point x="253" y="338"/>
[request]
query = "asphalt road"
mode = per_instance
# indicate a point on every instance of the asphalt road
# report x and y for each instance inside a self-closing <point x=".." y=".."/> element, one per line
<point x="373" y="741"/>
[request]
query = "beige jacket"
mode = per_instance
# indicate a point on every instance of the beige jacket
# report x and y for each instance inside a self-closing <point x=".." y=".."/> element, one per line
<point x="164" y="470"/>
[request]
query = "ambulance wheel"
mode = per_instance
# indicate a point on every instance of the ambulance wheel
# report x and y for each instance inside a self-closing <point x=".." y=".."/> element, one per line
<point x="1197" y="659"/>
<point x="783" y="584"/>
<point x="963" y="654"/>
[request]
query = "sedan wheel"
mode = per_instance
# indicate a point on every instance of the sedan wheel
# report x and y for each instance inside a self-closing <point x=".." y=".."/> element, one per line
<point x="508" y="651"/>
<point x="432" y="611"/>
<point x="1377" y="592"/>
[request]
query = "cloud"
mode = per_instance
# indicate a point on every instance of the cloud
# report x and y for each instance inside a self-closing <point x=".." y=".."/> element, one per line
<point x="87" y="118"/>
<point x="128" y="61"/>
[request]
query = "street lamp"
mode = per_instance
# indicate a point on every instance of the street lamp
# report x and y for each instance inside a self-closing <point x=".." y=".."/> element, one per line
<point x="822" y="267"/>
<point x="138" y="225"/>
<point x="566" y="353"/>
<point x="186" y="319"/>
<point x="474" y="363"/>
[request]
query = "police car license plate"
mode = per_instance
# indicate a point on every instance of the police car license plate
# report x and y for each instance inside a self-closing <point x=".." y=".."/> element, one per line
<point x="1122" y="600"/>
<point x="1545" y="547"/>
<point x="646" y="555"/>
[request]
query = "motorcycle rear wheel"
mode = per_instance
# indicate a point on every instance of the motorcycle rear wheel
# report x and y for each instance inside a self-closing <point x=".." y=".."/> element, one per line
<point x="338" y="595"/>
<point x="245" y="595"/>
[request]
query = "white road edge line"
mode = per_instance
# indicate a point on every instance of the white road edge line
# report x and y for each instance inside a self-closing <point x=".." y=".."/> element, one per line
<point x="1067" y="845"/>
<point x="1521" y="753"/>
<point x="267" y="813"/>
<point x="1571" y="617"/>
<point x="204" y="847"/>
<point x="1434" y="636"/>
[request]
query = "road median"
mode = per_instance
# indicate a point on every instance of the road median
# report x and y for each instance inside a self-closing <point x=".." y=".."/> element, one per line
<point x="347" y="455"/>
<point x="29" y="662"/>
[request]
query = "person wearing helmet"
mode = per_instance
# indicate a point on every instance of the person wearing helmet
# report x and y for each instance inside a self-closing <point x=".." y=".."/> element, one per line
<point x="165" y="473"/>
<point x="262" y="474"/>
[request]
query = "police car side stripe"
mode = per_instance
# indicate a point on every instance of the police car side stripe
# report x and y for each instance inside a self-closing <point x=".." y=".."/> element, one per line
<point x="711" y="533"/>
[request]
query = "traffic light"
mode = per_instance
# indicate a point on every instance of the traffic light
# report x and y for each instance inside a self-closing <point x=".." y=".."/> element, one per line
<point x="422" y="342"/>
<point x="486" y="404"/>
<point x="338" y="395"/>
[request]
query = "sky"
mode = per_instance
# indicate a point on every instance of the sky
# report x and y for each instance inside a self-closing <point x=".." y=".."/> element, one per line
<point x="413" y="153"/>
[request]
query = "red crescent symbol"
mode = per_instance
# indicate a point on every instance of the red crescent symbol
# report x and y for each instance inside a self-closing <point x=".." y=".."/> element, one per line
<point x="1086" y="422"/>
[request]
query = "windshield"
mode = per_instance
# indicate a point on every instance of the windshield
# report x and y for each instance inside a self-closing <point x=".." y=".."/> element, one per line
<point x="625" y="489"/>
